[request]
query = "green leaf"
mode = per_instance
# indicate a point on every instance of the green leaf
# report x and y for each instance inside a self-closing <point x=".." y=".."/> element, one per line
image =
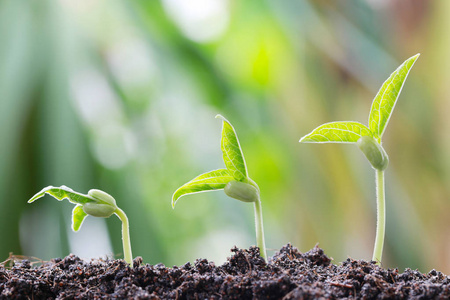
<point x="337" y="132"/>
<point x="386" y="98"/>
<point x="231" y="150"/>
<point x="213" y="180"/>
<point x="61" y="193"/>
<point x="78" y="216"/>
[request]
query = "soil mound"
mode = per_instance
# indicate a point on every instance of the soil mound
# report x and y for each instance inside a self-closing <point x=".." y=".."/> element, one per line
<point x="289" y="274"/>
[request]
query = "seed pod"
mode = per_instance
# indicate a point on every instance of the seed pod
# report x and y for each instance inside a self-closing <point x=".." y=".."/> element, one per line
<point x="374" y="152"/>
<point x="241" y="191"/>
<point x="99" y="210"/>
<point x="102" y="196"/>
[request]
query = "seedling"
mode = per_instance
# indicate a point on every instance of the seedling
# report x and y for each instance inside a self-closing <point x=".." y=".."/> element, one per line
<point x="96" y="203"/>
<point x="368" y="139"/>
<point x="233" y="180"/>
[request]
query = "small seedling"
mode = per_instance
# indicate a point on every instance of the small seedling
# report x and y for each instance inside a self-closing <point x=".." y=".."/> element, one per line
<point x="233" y="180"/>
<point x="368" y="139"/>
<point x="96" y="203"/>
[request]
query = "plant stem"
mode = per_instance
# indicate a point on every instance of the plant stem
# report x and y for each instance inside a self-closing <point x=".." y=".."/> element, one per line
<point x="260" y="229"/>
<point x="125" y="236"/>
<point x="381" y="217"/>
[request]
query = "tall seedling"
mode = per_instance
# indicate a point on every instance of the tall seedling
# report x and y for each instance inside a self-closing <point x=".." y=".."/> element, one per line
<point x="368" y="139"/>
<point x="234" y="180"/>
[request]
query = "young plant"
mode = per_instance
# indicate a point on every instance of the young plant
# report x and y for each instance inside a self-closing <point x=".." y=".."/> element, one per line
<point x="368" y="139"/>
<point x="96" y="203"/>
<point x="233" y="180"/>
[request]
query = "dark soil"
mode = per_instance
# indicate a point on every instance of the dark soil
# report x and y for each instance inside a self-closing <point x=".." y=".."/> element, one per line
<point x="288" y="275"/>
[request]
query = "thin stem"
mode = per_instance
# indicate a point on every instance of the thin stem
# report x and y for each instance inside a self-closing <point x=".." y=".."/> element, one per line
<point x="381" y="217"/>
<point x="125" y="236"/>
<point x="260" y="229"/>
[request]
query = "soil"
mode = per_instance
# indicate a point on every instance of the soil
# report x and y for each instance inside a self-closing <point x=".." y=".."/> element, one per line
<point x="289" y="274"/>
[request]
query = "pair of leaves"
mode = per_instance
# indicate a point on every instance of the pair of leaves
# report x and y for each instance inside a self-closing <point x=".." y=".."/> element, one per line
<point x="380" y="113"/>
<point x="63" y="192"/>
<point x="218" y="179"/>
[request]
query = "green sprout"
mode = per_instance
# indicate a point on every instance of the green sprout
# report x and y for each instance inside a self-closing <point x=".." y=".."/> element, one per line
<point x="368" y="139"/>
<point x="96" y="203"/>
<point x="234" y="180"/>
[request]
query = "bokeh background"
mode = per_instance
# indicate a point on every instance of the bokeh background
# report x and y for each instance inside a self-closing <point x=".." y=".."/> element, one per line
<point x="121" y="96"/>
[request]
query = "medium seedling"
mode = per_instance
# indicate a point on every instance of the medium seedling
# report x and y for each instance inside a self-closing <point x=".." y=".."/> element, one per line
<point x="96" y="203"/>
<point x="368" y="139"/>
<point x="234" y="180"/>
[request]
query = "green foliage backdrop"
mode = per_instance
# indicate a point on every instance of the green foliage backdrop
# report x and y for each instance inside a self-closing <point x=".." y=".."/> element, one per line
<point x="121" y="96"/>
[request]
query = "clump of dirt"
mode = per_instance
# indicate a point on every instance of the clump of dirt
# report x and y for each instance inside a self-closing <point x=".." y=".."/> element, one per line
<point x="289" y="274"/>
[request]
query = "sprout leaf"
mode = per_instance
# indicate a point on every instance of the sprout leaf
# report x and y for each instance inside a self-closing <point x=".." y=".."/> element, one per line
<point x="97" y="203"/>
<point x="212" y="180"/>
<point x="368" y="139"/>
<point x="231" y="150"/>
<point x="78" y="216"/>
<point x="337" y="132"/>
<point x="61" y="193"/>
<point x="385" y="100"/>
<point x="234" y="180"/>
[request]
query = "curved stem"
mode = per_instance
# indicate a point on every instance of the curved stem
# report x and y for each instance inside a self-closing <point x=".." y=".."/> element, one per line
<point x="125" y="236"/>
<point x="260" y="229"/>
<point x="381" y="217"/>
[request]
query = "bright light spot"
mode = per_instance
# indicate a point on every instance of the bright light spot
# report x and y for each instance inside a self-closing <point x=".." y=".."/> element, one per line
<point x="112" y="145"/>
<point x="200" y="20"/>
<point x="131" y="62"/>
<point x="38" y="234"/>
<point x="96" y="103"/>
<point x="92" y="240"/>
<point x="94" y="99"/>
<point x="198" y="124"/>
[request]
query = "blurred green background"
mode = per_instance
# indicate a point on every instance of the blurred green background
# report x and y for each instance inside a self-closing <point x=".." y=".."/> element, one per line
<point x="121" y="96"/>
